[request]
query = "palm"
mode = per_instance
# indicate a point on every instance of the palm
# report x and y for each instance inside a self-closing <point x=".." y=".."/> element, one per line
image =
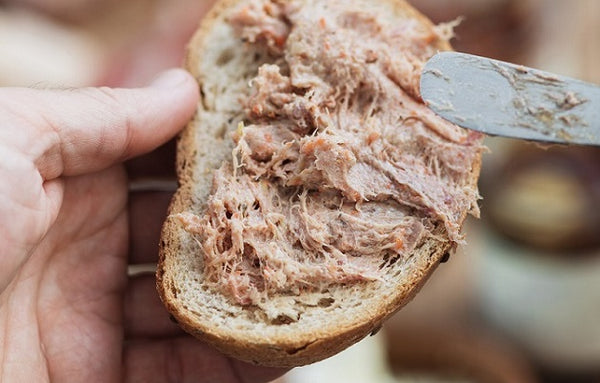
<point x="66" y="301"/>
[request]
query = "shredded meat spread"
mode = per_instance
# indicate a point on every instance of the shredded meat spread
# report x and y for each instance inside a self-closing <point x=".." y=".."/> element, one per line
<point x="339" y="169"/>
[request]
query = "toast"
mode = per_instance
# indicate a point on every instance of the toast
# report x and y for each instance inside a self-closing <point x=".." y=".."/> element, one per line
<point x="317" y="192"/>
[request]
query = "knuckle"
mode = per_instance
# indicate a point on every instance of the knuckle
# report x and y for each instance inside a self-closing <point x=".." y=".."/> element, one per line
<point x="118" y="110"/>
<point x="104" y="95"/>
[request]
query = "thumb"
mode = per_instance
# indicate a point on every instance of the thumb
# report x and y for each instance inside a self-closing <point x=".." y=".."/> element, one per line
<point x="76" y="131"/>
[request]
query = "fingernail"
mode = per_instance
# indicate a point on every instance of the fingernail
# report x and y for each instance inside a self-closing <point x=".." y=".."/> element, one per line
<point x="169" y="79"/>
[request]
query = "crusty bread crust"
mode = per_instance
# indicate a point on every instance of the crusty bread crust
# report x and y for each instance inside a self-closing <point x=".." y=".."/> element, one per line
<point x="280" y="345"/>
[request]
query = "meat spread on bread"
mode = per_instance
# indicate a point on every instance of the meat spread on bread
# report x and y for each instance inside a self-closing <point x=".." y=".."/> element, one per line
<point x="338" y="172"/>
<point x="339" y="169"/>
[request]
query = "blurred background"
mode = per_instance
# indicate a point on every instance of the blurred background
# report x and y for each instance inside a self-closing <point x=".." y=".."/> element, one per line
<point x="520" y="302"/>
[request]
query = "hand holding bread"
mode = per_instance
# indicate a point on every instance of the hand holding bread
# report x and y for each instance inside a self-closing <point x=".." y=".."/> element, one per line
<point x="69" y="309"/>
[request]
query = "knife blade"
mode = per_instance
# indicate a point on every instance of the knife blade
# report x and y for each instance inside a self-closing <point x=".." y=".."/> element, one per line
<point x="503" y="99"/>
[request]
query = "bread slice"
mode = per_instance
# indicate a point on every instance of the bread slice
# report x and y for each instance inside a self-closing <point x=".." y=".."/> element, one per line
<point x="290" y="329"/>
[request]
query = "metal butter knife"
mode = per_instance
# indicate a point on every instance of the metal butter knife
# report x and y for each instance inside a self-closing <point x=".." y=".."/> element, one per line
<point x="510" y="100"/>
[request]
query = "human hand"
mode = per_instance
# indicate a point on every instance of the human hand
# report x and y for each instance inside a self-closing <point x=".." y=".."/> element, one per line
<point x="68" y="310"/>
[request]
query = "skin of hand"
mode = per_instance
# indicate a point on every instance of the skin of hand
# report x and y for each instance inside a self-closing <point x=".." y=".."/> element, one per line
<point x="69" y="311"/>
